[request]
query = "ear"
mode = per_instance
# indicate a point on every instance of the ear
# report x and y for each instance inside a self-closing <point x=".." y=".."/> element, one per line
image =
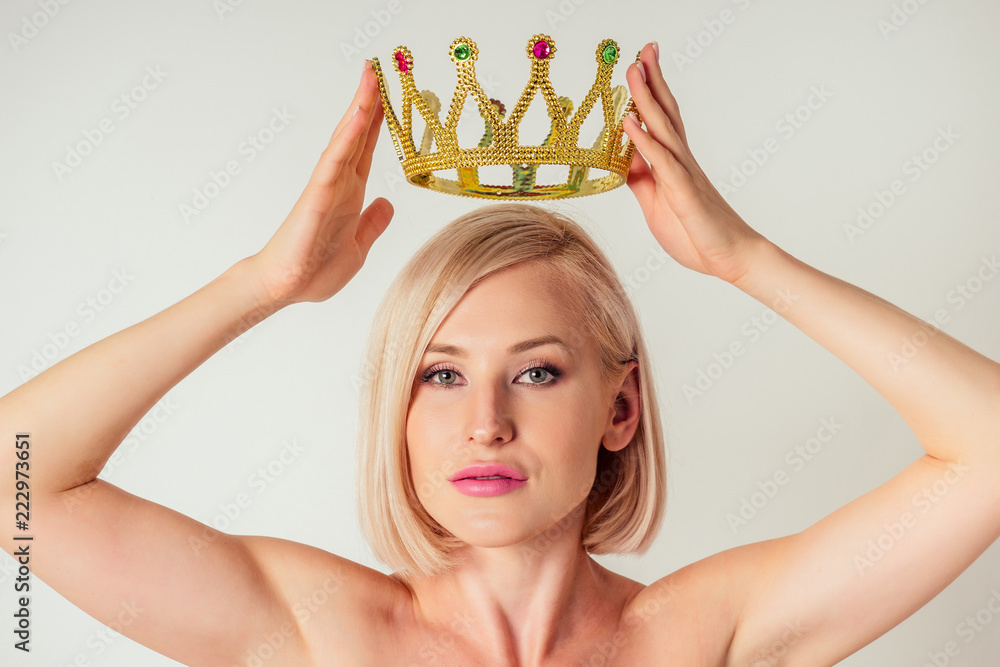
<point x="624" y="415"/>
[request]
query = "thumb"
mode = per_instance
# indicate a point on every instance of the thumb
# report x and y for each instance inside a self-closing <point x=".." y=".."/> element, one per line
<point x="374" y="220"/>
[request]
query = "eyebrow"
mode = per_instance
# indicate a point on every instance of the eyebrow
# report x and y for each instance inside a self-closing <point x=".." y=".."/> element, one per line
<point x="456" y="351"/>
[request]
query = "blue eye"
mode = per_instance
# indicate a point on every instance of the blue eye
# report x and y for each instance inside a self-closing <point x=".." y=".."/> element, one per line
<point x="452" y="372"/>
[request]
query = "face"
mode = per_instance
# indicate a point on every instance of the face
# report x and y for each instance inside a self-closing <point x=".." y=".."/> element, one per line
<point x="540" y="410"/>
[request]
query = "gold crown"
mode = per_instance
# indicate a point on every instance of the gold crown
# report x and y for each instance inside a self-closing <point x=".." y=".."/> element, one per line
<point x="500" y="144"/>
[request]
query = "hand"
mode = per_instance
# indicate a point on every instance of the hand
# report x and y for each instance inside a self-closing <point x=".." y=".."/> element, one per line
<point x="684" y="211"/>
<point x="325" y="239"/>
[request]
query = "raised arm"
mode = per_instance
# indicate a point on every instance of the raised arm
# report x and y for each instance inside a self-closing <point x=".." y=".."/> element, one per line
<point x="146" y="570"/>
<point x="859" y="572"/>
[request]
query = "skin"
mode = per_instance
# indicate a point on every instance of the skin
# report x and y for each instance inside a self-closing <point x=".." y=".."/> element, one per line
<point x="802" y="599"/>
<point x="528" y="593"/>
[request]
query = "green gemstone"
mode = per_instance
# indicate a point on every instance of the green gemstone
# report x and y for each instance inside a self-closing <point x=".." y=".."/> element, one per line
<point x="462" y="52"/>
<point x="610" y="53"/>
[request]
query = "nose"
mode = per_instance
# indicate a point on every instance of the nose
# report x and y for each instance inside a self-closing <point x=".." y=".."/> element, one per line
<point x="489" y="420"/>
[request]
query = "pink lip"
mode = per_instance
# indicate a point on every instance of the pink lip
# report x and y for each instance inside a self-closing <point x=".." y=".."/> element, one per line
<point x="488" y="487"/>
<point x="466" y="482"/>
<point x="488" y="470"/>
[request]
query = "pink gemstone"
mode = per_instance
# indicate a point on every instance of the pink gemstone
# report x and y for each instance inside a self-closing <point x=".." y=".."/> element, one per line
<point x="404" y="67"/>
<point x="541" y="49"/>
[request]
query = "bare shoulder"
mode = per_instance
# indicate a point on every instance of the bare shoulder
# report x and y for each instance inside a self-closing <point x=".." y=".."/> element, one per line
<point x="692" y="613"/>
<point x="334" y="600"/>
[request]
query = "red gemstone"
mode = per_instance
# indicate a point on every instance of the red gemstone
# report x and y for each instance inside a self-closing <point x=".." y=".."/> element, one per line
<point x="404" y="67"/>
<point x="541" y="49"/>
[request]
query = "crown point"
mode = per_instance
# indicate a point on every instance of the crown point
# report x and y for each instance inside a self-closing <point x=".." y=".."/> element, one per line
<point x="463" y="50"/>
<point x="610" y="54"/>
<point x="403" y="62"/>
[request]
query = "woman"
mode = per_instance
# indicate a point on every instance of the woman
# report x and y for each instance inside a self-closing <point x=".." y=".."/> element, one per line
<point x="496" y="571"/>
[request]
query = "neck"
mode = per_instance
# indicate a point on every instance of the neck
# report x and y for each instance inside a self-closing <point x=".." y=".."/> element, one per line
<point x="522" y="600"/>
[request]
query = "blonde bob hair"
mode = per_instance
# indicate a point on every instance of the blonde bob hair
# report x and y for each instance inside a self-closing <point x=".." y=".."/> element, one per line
<point x="626" y="503"/>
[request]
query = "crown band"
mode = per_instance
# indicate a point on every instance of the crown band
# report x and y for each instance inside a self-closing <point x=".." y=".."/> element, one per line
<point x="499" y="144"/>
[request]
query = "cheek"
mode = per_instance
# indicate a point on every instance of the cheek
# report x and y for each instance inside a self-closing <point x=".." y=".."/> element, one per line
<point x="429" y="463"/>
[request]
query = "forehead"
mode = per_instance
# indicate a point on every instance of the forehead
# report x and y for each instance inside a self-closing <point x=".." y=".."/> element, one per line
<point x="522" y="302"/>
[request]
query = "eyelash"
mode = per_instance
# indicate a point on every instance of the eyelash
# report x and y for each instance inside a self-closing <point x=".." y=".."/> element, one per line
<point x="538" y="363"/>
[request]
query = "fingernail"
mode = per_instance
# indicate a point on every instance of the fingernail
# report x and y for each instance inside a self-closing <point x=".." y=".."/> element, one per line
<point x="368" y="63"/>
<point x="642" y="70"/>
<point x="634" y="118"/>
<point x="656" y="51"/>
<point x="356" y="110"/>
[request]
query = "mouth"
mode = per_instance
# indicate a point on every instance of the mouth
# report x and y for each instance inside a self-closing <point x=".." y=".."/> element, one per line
<point x="485" y="472"/>
<point x="487" y="485"/>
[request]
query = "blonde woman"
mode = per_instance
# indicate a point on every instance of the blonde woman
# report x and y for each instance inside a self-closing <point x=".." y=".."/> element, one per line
<point x="508" y="431"/>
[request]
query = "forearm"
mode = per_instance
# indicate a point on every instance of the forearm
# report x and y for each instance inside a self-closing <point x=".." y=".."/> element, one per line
<point x="948" y="393"/>
<point x="80" y="410"/>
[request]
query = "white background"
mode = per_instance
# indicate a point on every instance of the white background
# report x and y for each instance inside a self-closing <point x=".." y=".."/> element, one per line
<point x="292" y="378"/>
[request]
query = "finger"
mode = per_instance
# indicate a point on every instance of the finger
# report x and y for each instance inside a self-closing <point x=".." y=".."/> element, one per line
<point x="666" y="169"/>
<point x="331" y="162"/>
<point x="359" y="96"/>
<point x="661" y="91"/>
<point x="657" y="123"/>
<point x="641" y="181"/>
<point x="361" y="161"/>
<point x="374" y="220"/>
<point x="346" y="139"/>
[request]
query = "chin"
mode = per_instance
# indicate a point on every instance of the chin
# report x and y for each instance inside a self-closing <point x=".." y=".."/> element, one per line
<point x="487" y="529"/>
